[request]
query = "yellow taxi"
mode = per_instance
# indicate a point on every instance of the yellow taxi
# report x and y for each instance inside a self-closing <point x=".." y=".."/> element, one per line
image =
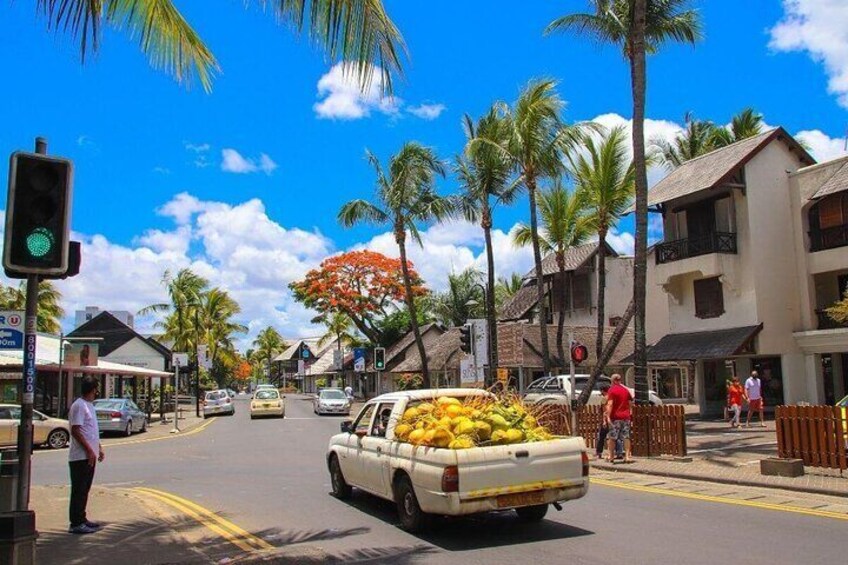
<point x="267" y="402"/>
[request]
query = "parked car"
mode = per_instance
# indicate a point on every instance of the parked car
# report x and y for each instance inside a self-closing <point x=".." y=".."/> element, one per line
<point x="267" y="402"/>
<point x="231" y="393"/>
<point x="423" y="481"/>
<point x="556" y="389"/>
<point x="331" y="401"/>
<point x="218" y="402"/>
<point x="52" y="432"/>
<point x="120" y="415"/>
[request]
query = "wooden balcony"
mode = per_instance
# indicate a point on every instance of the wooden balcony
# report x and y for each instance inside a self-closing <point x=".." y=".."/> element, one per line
<point x="714" y="242"/>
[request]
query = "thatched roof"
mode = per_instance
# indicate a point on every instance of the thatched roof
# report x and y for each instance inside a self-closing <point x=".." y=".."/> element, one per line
<point x="520" y="344"/>
<point x="575" y="257"/>
<point x="444" y="354"/>
<point x="718" y="167"/>
<point x="519" y="304"/>
<point x="837" y="183"/>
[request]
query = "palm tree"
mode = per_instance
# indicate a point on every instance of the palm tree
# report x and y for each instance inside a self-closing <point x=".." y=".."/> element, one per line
<point x="637" y="27"/>
<point x="185" y="291"/>
<point x="698" y="138"/>
<point x="405" y="196"/>
<point x="49" y="311"/>
<point x="339" y="328"/>
<point x="268" y="344"/>
<point x="356" y="32"/>
<point x="743" y="125"/>
<point x="604" y="176"/>
<point x="217" y="308"/>
<point x="484" y="172"/>
<point x="565" y="224"/>
<point x="536" y="141"/>
<point x="506" y="288"/>
<point x="462" y="300"/>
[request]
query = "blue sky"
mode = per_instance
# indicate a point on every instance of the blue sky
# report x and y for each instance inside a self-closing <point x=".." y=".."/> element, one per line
<point x="138" y="139"/>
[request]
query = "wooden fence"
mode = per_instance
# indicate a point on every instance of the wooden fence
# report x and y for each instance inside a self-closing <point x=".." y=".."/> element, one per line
<point x="816" y="434"/>
<point x="655" y="430"/>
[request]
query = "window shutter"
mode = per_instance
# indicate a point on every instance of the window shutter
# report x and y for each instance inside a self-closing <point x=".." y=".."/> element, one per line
<point x="581" y="291"/>
<point x="830" y="212"/>
<point x="709" y="298"/>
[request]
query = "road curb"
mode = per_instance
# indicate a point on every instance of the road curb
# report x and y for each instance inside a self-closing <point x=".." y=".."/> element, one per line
<point x="723" y="481"/>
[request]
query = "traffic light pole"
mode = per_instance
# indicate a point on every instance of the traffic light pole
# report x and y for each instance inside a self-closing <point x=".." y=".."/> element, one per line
<point x="25" y="428"/>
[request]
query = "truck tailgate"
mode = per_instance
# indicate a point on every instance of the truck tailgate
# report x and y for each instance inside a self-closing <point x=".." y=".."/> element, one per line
<point x="521" y="467"/>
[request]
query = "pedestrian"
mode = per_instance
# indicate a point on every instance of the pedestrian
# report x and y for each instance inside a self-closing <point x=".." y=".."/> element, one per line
<point x="84" y="453"/>
<point x="617" y="417"/>
<point x="348" y="392"/>
<point x="735" y="397"/>
<point x="603" y="430"/>
<point x="754" y="392"/>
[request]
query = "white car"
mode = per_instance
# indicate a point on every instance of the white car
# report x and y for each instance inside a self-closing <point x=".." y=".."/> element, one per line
<point x="267" y="402"/>
<point x="331" y="401"/>
<point x="547" y="389"/>
<point x="53" y="432"/>
<point x="422" y="481"/>
<point x="218" y="402"/>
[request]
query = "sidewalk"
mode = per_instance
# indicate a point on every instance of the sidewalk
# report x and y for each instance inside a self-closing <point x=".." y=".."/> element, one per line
<point x="156" y="429"/>
<point x="720" y="455"/>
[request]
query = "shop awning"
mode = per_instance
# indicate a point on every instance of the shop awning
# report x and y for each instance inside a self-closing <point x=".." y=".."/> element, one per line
<point x="715" y="344"/>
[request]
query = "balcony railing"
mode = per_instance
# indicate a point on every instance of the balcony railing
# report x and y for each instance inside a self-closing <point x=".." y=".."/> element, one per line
<point x="829" y="238"/>
<point x="714" y="242"/>
<point x="828" y="323"/>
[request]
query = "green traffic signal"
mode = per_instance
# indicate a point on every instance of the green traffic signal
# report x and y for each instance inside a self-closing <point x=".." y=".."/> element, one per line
<point x="40" y="242"/>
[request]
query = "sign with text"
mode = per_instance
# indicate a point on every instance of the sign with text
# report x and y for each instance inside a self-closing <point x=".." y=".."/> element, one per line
<point x="481" y="342"/>
<point x="359" y="359"/>
<point x="78" y="354"/>
<point x="11" y="329"/>
<point x="180" y="359"/>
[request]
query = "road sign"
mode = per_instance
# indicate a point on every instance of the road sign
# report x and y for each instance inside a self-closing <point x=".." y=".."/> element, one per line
<point x="11" y="329"/>
<point x="359" y="359"/>
<point x="203" y="356"/>
<point x="467" y="371"/>
<point x="480" y="334"/>
<point x="179" y="359"/>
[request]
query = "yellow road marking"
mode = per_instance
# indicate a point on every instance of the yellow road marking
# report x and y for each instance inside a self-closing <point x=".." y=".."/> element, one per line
<point x="193" y="431"/>
<point x="722" y="500"/>
<point x="241" y="538"/>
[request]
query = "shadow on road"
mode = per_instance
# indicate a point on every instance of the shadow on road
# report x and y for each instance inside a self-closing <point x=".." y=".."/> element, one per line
<point x="477" y="532"/>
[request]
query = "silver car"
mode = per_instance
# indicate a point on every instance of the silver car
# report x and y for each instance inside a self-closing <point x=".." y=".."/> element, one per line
<point x="218" y="402"/>
<point x="120" y="415"/>
<point x="331" y="401"/>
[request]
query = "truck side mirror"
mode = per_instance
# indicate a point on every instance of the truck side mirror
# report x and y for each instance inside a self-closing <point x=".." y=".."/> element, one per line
<point x="347" y="427"/>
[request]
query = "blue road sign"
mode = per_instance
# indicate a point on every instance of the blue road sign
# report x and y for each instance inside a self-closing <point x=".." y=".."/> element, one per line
<point x="359" y="359"/>
<point x="11" y="330"/>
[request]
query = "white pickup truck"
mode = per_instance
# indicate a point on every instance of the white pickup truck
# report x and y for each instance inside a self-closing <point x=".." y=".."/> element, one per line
<point x="425" y="481"/>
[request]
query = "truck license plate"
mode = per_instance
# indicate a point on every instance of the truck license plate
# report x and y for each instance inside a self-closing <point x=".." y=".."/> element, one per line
<point x="521" y="499"/>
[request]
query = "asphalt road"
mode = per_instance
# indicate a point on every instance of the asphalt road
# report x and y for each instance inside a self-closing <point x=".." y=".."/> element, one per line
<point x="270" y="478"/>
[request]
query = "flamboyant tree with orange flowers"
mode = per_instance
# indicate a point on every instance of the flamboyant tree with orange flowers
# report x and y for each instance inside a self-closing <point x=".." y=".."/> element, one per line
<point x="360" y="284"/>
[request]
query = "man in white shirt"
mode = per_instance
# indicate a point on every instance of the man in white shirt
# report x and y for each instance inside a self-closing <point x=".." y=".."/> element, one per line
<point x="753" y="389"/>
<point x="84" y="454"/>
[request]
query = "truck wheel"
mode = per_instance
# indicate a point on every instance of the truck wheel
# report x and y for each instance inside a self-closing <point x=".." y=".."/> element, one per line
<point x="341" y="489"/>
<point x="412" y="518"/>
<point x="532" y="513"/>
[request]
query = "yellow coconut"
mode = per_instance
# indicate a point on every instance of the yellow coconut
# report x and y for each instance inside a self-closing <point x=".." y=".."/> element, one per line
<point x="411" y="414"/>
<point x="514" y="436"/>
<point x="462" y="443"/>
<point x="453" y="410"/>
<point x="530" y="422"/>
<point x="445" y="422"/>
<point x="425" y="408"/>
<point x="499" y="436"/>
<point x="449" y="400"/>
<point x="483" y="430"/>
<point x="464" y="427"/>
<point x="441" y="437"/>
<point x="402" y="431"/>
<point x="428" y="437"/>
<point x="497" y="422"/>
<point x="416" y="436"/>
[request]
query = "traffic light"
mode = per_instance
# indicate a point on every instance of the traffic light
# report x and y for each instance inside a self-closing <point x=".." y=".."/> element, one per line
<point x="579" y="352"/>
<point x="380" y="358"/>
<point x="38" y="211"/>
<point x="465" y="338"/>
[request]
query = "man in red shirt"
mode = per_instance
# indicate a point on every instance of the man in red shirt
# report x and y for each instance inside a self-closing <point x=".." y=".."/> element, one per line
<point x="617" y="417"/>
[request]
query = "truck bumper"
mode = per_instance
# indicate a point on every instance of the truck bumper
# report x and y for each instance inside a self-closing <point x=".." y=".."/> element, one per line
<point x="450" y="504"/>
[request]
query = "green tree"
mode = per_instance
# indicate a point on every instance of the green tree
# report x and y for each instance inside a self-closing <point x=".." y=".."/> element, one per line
<point x="462" y="300"/>
<point x="405" y="197"/>
<point x="603" y="174"/>
<point x="565" y="224"/>
<point x="50" y="312"/>
<point x="536" y="142"/>
<point x="217" y="330"/>
<point x="745" y="124"/>
<point x="697" y="139"/>
<point x="340" y="328"/>
<point x="357" y="32"/>
<point x="484" y="173"/>
<point x="267" y="345"/>
<point x="184" y="291"/>
<point x="506" y="288"/>
<point x="637" y="27"/>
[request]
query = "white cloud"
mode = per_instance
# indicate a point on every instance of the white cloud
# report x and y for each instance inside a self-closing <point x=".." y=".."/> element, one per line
<point x="822" y="146"/>
<point x="162" y="170"/>
<point x="233" y="162"/>
<point x="427" y="111"/>
<point x="819" y="27"/>
<point x="623" y="242"/>
<point x="181" y="208"/>
<point x="342" y="97"/>
<point x="197" y="147"/>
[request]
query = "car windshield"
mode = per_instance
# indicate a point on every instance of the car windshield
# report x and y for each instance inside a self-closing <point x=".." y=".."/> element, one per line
<point x="215" y="395"/>
<point x="332" y="395"/>
<point x="538" y="384"/>
<point x="267" y="395"/>
<point x="109" y="404"/>
<point x="843" y="402"/>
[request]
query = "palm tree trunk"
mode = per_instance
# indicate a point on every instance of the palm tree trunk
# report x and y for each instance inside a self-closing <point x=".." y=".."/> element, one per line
<point x="540" y="278"/>
<point x="400" y="237"/>
<point x="561" y="319"/>
<point x="602" y="285"/>
<point x="490" y="294"/>
<point x="605" y="357"/>
<point x="640" y="266"/>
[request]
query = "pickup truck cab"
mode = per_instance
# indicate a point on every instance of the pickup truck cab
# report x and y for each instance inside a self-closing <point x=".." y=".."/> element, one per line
<point x="556" y="389"/>
<point x="425" y="481"/>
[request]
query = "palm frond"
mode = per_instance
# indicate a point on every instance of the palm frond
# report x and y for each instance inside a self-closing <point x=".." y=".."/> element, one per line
<point x="361" y="211"/>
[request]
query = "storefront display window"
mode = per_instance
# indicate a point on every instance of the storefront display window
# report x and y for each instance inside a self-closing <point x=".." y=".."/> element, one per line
<point x="670" y="382"/>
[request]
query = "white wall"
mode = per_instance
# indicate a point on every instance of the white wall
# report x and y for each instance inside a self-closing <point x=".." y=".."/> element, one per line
<point x="138" y="354"/>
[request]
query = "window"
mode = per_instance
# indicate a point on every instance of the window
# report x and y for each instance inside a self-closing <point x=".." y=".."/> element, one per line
<point x="363" y="423"/>
<point x="671" y="382"/>
<point x="553" y="385"/>
<point x="5" y="413"/>
<point x="381" y="422"/>
<point x="709" y="299"/>
<point x="830" y="212"/>
<point x="580" y="292"/>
